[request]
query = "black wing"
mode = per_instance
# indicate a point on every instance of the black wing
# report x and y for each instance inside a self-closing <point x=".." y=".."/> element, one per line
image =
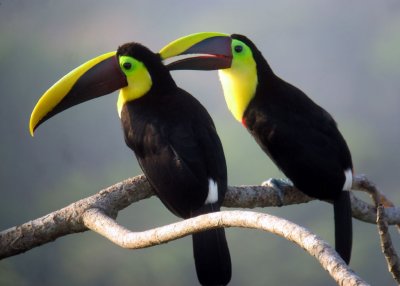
<point x="178" y="150"/>
<point x="304" y="141"/>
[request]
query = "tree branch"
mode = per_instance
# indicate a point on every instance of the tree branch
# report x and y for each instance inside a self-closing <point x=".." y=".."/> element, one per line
<point x="388" y="250"/>
<point x="99" y="222"/>
<point x="108" y="202"/>
<point x="68" y="220"/>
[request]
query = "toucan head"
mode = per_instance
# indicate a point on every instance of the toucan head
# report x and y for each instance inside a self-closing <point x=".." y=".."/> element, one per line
<point x="235" y="56"/>
<point x="133" y="69"/>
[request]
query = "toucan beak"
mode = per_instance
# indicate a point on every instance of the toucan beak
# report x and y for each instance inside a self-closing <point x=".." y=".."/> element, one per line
<point x="215" y="50"/>
<point x="97" y="77"/>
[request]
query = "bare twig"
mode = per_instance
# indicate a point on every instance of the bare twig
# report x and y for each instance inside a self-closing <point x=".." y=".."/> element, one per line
<point x="388" y="250"/>
<point x="362" y="183"/>
<point x="99" y="222"/>
<point x="382" y="203"/>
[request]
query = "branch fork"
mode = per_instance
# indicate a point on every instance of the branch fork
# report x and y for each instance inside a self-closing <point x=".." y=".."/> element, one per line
<point x="99" y="211"/>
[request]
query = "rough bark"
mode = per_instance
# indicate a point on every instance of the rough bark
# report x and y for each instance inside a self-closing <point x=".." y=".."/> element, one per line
<point x="99" y="222"/>
<point x="99" y="211"/>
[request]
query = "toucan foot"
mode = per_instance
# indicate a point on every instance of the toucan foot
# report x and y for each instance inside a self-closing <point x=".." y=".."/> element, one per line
<point x="277" y="183"/>
<point x="278" y="186"/>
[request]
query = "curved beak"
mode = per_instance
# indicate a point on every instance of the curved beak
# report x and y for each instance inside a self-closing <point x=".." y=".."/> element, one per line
<point x="97" y="77"/>
<point x="214" y="49"/>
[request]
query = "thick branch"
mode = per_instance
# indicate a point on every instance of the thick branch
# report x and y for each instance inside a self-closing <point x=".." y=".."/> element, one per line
<point x="106" y="204"/>
<point x="68" y="220"/>
<point x="115" y="198"/>
<point x="97" y="221"/>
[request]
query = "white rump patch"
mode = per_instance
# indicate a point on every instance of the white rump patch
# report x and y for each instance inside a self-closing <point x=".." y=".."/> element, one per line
<point x="212" y="192"/>
<point x="349" y="180"/>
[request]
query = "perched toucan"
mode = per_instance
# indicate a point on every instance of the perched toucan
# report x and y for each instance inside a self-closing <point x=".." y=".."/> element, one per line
<point x="171" y="133"/>
<point x="297" y="134"/>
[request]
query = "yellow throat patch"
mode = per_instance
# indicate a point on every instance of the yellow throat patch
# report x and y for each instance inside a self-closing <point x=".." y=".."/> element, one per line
<point x="239" y="82"/>
<point x="139" y="81"/>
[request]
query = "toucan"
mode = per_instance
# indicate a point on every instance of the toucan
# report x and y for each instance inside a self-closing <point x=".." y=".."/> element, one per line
<point x="300" y="137"/>
<point x="172" y="135"/>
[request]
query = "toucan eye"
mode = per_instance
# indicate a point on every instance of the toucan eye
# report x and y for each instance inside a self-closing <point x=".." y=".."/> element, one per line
<point x="127" y="65"/>
<point x="238" y="48"/>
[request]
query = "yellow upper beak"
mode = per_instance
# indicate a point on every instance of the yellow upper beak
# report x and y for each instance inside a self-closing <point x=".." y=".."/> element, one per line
<point x="182" y="45"/>
<point x="94" y="78"/>
<point x="214" y="49"/>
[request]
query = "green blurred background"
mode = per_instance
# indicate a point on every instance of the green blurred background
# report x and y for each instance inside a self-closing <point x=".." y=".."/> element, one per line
<point x="344" y="55"/>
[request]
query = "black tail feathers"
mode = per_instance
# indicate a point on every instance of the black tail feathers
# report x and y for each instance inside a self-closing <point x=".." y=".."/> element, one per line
<point x="343" y="226"/>
<point x="211" y="254"/>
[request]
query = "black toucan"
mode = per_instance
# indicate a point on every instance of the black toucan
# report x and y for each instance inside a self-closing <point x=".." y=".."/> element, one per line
<point x="297" y="134"/>
<point x="171" y="133"/>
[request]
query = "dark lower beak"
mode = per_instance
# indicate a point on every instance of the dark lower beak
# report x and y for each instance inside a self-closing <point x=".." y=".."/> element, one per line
<point x="214" y="48"/>
<point x="97" y="77"/>
<point x="205" y="63"/>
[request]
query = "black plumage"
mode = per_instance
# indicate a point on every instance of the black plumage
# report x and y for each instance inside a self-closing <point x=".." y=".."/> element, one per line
<point x="178" y="149"/>
<point x="170" y="132"/>
<point x="304" y="142"/>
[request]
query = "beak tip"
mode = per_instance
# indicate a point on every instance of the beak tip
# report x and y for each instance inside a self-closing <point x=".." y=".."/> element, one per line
<point x="101" y="79"/>
<point x="31" y="129"/>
